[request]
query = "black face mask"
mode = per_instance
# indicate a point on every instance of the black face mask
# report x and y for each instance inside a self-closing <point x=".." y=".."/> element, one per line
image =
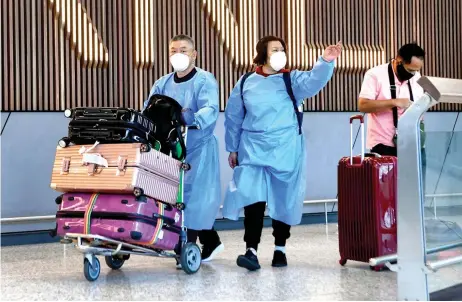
<point x="402" y="73"/>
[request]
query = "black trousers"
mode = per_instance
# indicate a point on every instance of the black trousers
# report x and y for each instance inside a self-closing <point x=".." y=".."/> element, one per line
<point x="208" y="238"/>
<point x="392" y="151"/>
<point x="253" y="224"/>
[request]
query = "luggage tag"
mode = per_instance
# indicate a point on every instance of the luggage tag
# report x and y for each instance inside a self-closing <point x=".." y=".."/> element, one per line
<point x="93" y="160"/>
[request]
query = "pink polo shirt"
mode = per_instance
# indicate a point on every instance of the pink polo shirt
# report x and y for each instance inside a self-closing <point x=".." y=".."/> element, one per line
<point x="376" y="86"/>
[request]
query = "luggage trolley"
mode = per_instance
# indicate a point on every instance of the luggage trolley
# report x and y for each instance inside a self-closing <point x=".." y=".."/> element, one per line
<point x="117" y="252"/>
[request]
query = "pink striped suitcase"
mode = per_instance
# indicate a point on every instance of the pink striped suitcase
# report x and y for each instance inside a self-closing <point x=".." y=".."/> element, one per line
<point x="142" y="221"/>
<point x="117" y="169"/>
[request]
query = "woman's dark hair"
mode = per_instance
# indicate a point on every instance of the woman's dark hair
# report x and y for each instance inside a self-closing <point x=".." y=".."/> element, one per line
<point x="410" y="50"/>
<point x="262" y="49"/>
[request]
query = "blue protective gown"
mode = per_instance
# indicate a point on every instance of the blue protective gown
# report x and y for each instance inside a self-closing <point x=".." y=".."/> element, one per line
<point x="202" y="192"/>
<point x="271" y="153"/>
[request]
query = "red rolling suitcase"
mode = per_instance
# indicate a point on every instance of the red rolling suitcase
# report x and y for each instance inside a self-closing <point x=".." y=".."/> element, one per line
<point x="367" y="189"/>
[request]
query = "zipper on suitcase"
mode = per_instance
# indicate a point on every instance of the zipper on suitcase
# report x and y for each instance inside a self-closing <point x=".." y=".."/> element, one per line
<point x="117" y="216"/>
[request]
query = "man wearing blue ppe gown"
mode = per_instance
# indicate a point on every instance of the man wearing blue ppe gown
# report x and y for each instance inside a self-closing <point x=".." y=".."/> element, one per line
<point x="196" y="91"/>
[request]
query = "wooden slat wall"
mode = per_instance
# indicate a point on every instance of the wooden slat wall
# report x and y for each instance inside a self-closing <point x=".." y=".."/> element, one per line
<point x="58" y="54"/>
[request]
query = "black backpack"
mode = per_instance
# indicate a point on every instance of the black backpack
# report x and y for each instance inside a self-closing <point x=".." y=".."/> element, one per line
<point x="287" y="82"/>
<point x="167" y="117"/>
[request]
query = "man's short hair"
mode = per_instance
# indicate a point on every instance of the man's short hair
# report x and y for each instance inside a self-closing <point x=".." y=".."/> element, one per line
<point x="410" y="50"/>
<point x="184" y="38"/>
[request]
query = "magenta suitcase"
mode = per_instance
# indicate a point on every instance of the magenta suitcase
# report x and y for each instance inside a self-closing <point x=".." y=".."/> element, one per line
<point x="142" y="221"/>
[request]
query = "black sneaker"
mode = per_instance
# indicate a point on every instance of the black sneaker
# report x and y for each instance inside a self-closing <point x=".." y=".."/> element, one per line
<point x="248" y="261"/>
<point x="209" y="252"/>
<point x="279" y="259"/>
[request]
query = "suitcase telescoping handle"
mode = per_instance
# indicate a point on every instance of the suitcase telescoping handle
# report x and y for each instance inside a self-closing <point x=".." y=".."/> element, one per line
<point x="361" y="125"/>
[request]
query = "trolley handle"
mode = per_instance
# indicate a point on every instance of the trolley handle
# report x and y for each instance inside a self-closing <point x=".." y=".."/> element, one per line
<point x="361" y="125"/>
<point x="186" y="129"/>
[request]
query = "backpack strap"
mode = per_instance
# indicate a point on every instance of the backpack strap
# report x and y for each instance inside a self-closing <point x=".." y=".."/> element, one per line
<point x="298" y="114"/>
<point x="244" y="77"/>
<point x="288" y="84"/>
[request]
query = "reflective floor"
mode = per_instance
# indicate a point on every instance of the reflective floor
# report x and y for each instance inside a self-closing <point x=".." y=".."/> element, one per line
<point x="55" y="271"/>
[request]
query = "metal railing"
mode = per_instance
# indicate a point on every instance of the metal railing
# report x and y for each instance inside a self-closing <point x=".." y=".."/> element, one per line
<point x="45" y="218"/>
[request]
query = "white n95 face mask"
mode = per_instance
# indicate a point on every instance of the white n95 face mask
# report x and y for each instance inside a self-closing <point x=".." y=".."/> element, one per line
<point x="179" y="61"/>
<point x="278" y="60"/>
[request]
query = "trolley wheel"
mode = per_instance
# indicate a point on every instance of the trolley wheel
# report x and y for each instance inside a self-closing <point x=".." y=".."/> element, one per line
<point x="138" y="192"/>
<point x="91" y="272"/>
<point x="342" y="262"/>
<point x="185" y="167"/>
<point x="180" y="206"/>
<point x="190" y="258"/>
<point x="114" y="262"/>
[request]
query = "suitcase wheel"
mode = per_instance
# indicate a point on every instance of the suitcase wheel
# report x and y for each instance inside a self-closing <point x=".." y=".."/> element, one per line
<point x="68" y="113"/>
<point x="114" y="262"/>
<point x="377" y="268"/>
<point x="59" y="199"/>
<point x="64" y="142"/>
<point x="180" y="206"/>
<point x="342" y="262"/>
<point x="185" y="167"/>
<point x="145" y="148"/>
<point x="136" y="235"/>
<point x="138" y="192"/>
<point x="190" y="258"/>
<point x="91" y="272"/>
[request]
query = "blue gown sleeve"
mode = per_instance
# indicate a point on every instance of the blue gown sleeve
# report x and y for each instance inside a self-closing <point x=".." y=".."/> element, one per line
<point x="207" y="104"/>
<point x="306" y="84"/>
<point x="156" y="89"/>
<point x="234" y="117"/>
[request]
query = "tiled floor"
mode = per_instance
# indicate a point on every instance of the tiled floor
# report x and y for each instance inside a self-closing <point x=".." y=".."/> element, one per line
<point x="54" y="272"/>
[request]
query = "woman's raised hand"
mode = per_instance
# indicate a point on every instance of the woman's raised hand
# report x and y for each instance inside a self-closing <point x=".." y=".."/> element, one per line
<point x="332" y="52"/>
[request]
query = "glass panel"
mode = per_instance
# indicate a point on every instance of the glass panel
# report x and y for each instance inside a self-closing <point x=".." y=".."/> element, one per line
<point x="443" y="204"/>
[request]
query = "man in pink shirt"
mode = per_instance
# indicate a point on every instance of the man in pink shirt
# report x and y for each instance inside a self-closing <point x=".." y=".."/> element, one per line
<point x="385" y="101"/>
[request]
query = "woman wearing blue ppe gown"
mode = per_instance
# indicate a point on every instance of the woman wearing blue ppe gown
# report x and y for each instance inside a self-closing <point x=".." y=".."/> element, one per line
<point x="197" y="92"/>
<point x="267" y="150"/>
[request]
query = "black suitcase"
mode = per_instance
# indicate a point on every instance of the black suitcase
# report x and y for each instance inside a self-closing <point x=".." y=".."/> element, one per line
<point x="108" y="125"/>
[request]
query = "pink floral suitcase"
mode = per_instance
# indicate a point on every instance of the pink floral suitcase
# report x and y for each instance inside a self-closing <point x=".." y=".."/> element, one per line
<point x="142" y="221"/>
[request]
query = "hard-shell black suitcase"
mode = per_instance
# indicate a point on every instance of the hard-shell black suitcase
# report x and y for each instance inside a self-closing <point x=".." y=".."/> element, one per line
<point x="108" y="125"/>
